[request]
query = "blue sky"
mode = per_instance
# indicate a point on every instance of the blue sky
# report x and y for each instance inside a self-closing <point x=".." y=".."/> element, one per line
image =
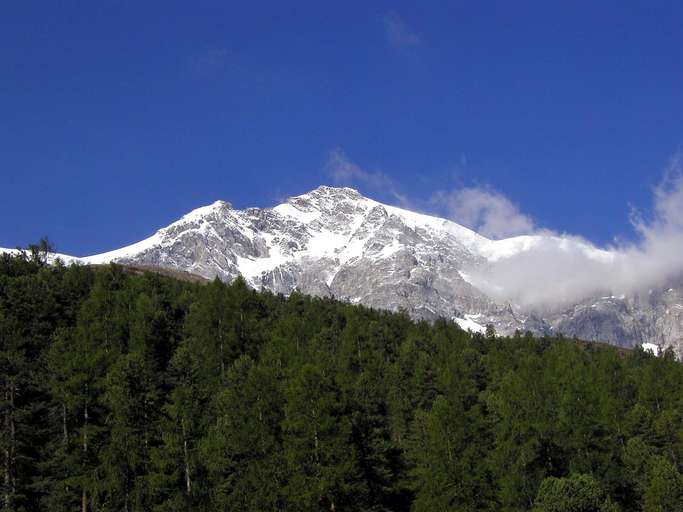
<point x="119" y="117"/>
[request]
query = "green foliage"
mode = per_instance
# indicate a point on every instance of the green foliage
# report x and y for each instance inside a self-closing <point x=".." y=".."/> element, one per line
<point x="577" y="493"/>
<point x="664" y="492"/>
<point x="121" y="391"/>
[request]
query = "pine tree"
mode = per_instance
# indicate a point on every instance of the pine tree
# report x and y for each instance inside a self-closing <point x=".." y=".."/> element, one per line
<point x="176" y="477"/>
<point x="321" y="462"/>
<point x="242" y="450"/>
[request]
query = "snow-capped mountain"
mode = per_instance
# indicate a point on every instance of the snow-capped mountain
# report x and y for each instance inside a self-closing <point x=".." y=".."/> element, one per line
<point x="336" y="242"/>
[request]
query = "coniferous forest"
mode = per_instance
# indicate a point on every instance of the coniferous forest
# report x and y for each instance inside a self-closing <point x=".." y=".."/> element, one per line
<point x="131" y="391"/>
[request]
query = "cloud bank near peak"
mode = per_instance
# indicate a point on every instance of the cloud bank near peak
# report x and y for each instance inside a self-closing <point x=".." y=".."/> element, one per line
<point x="483" y="210"/>
<point x="559" y="270"/>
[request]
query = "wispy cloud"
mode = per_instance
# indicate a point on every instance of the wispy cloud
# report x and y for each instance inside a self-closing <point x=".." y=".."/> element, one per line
<point x="398" y="33"/>
<point x="484" y="210"/>
<point x="345" y="172"/>
<point x="559" y="270"/>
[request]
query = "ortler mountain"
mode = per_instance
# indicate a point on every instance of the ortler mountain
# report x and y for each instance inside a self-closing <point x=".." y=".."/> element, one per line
<point x="336" y="242"/>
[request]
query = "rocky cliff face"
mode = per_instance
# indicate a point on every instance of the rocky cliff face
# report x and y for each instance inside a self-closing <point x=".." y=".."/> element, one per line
<point x="335" y="242"/>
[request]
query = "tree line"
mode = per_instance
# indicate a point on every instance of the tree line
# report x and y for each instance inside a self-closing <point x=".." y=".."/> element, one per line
<point x="127" y="392"/>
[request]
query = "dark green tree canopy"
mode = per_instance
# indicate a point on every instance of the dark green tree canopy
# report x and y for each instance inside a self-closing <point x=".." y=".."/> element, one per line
<point x="129" y="391"/>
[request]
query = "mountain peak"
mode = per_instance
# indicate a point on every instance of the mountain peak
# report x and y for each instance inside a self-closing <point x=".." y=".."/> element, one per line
<point x="327" y="191"/>
<point x="332" y="189"/>
<point x="222" y="204"/>
<point x="325" y="197"/>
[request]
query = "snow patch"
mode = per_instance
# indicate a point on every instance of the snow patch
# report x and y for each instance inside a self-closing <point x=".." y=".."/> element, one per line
<point x="291" y="211"/>
<point x="125" y="252"/>
<point x="651" y="347"/>
<point x="467" y="323"/>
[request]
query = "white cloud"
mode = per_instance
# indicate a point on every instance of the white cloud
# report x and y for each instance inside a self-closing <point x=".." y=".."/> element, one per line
<point x="484" y="210"/>
<point x="398" y="33"/>
<point x="557" y="271"/>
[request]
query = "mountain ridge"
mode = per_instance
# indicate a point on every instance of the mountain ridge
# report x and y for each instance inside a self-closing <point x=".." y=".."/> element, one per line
<point x="336" y="242"/>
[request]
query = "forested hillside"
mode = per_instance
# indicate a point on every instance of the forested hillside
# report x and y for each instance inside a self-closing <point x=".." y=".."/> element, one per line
<point x="123" y="392"/>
